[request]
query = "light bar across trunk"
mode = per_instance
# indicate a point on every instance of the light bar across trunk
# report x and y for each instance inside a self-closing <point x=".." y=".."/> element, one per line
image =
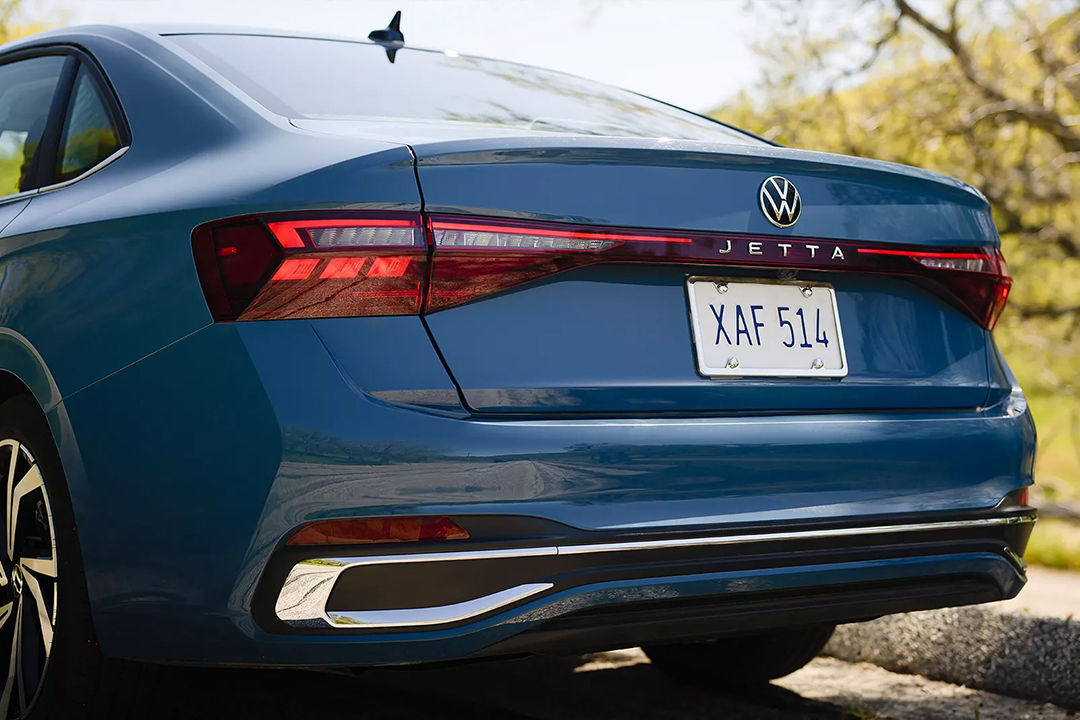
<point x="369" y="264"/>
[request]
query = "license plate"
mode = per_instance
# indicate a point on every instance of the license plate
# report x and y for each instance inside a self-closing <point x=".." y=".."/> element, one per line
<point x="776" y="329"/>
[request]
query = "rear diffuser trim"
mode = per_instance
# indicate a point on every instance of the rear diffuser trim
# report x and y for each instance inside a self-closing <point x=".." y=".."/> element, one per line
<point x="304" y="595"/>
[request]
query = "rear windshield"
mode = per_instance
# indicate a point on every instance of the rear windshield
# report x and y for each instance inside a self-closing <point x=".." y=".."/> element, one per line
<point x="341" y="80"/>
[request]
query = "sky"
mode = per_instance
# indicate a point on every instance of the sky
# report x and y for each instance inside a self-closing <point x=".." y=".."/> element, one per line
<point x="693" y="53"/>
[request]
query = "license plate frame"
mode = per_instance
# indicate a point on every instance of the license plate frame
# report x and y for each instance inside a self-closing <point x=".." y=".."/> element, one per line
<point x="834" y="363"/>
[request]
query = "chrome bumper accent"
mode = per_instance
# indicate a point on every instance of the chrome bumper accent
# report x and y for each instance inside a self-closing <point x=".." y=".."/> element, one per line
<point x="304" y="594"/>
<point x="414" y="617"/>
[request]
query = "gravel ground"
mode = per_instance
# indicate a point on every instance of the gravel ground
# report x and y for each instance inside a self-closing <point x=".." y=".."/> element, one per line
<point x="869" y="691"/>
<point x="619" y="685"/>
<point x="1012" y="653"/>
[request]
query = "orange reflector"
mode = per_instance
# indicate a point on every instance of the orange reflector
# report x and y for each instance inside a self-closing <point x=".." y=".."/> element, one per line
<point x="1023" y="498"/>
<point x="353" y="531"/>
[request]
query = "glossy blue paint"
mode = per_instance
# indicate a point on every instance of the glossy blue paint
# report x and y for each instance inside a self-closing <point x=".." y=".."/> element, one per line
<point x="193" y="449"/>
<point x="264" y="433"/>
<point x="618" y="339"/>
<point x="697" y="186"/>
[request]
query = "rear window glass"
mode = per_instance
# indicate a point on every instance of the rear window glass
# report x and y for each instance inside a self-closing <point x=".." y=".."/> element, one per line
<point x="89" y="135"/>
<point x="26" y="95"/>
<point x="340" y="80"/>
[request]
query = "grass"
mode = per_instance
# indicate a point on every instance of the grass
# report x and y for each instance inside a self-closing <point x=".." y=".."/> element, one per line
<point x="857" y="713"/>
<point x="1055" y="543"/>
<point x="1057" y="468"/>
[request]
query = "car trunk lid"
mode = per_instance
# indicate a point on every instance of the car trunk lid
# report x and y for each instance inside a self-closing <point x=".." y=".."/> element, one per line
<point x="615" y="333"/>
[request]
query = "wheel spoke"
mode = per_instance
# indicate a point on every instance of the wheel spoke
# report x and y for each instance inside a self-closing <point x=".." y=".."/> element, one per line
<point x="45" y="567"/>
<point x="30" y="582"/>
<point x="20" y="675"/>
<point x="7" y="495"/>
<point x="44" y="620"/>
<point x="27" y="484"/>
<point x="9" y="684"/>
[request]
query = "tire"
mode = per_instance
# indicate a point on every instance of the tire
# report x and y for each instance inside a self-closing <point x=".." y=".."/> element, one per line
<point x="743" y="660"/>
<point x="67" y="678"/>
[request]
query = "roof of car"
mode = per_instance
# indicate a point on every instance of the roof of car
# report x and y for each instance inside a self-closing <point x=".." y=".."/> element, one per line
<point x="212" y="29"/>
<point x="167" y="29"/>
<point x="157" y="32"/>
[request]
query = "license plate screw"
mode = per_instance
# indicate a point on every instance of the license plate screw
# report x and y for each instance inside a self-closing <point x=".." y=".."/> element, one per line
<point x="807" y="292"/>
<point x="732" y="363"/>
<point x="721" y="287"/>
<point x="817" y="364"/>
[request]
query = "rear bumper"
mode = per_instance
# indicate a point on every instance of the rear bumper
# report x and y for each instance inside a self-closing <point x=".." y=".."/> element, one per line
<point x="335" y="592"/>
<point x="255" y="430"/>
<point x="569" y="593"/>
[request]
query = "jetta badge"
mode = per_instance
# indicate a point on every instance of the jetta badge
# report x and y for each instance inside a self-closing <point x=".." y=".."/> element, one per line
<point x="780" y="201"/>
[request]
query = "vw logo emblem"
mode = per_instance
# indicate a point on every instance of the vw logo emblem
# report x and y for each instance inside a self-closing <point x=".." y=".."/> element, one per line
<point x="780" y="201"/>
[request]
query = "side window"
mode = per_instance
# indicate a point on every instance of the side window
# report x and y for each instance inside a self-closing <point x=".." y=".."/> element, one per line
<point x="27" y="88"/>
<point x="89" y="134"/>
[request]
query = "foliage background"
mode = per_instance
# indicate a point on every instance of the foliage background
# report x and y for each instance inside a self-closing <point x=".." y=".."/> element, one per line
<point x="984" y="90"/>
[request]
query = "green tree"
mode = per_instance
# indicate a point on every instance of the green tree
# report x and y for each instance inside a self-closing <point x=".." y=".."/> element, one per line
<point x="985" y="90"/>
<point x="14" y="22"/>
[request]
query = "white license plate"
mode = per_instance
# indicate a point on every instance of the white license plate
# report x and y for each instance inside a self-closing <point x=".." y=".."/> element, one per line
<point x="776" y="329"/>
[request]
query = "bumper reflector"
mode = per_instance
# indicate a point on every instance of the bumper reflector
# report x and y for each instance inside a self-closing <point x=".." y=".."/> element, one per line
<point x="356" y="531"/>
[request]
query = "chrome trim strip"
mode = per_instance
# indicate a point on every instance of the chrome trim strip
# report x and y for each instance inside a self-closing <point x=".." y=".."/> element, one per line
<point x="303" y="596"/>
<point x="793" y="535"/>
<point x="438" y="615"/>
<point x="18" y="196"/>
<point x="56" y="186"/>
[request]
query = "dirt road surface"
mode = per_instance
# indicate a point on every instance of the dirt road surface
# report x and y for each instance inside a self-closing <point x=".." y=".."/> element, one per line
<point x="619" y="685"/>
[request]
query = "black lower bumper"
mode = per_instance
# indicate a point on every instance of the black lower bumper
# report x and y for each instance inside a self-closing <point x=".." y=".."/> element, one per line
<point x="573" y="591"/>
<point x="675" y="621"/>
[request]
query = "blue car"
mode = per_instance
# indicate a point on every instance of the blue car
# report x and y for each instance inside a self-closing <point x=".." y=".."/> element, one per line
<point x="330" y="353"/>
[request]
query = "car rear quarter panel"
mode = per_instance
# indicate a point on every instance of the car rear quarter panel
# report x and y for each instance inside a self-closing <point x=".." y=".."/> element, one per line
<point x="100" y="274"/>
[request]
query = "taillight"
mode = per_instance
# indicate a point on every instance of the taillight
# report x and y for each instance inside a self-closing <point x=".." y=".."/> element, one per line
<point x="352" y="265"/>
<point x="348" y="266"/>
<point x="979" y="279"/>
<point x="478" y="257"/>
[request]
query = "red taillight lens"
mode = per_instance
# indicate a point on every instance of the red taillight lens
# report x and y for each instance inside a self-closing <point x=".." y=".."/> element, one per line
<point x="480" y="257"/>
<point x="979" y="280"/>
<point x="379" y="264"/>
<point x="354" y="266"/>
<point x="355" y="531"/>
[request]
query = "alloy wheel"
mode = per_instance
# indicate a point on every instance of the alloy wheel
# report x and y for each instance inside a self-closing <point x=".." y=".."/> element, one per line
<point x="28" y="581"/>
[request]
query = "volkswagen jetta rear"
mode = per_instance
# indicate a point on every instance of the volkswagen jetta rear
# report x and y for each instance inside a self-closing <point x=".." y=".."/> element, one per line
<point x="502" y="361"/>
